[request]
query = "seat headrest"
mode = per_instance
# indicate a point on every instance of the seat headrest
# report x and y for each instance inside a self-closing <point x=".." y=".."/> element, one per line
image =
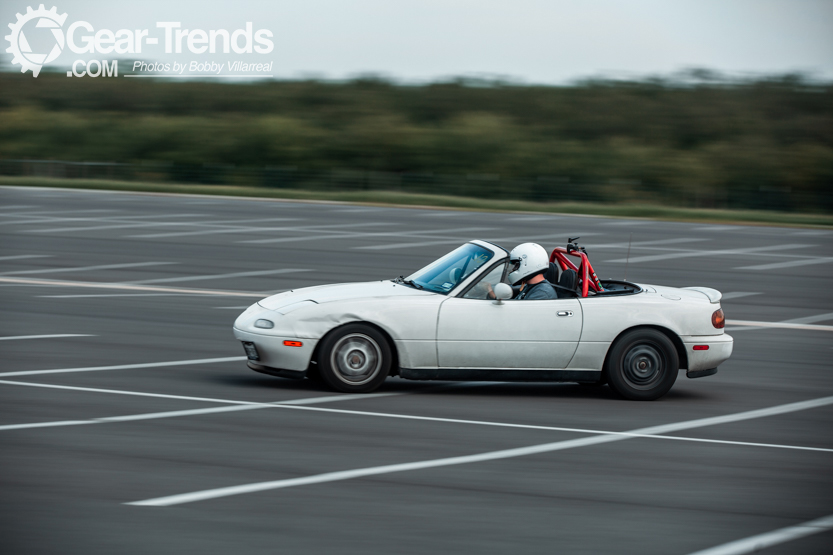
<point x="551" y="274"/>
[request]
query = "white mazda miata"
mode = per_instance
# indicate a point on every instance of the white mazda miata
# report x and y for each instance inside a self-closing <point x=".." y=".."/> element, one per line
<point x="455" y="320"/>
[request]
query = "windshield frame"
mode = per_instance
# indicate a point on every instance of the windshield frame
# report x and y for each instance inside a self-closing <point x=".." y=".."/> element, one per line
<point x="497" y="254"/>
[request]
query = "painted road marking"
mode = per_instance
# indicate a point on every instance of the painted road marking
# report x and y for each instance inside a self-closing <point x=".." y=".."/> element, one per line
<point x="641" y="244"/>
<point x="53" y="336"/>
<point x="115" y="295"/>
<point x="811" y="319"/>
<point x="479" y="457"/>
<point x="737" y="295"/>
<point x="433" y="233"/>
<point x="754" y="544"/>
<point x="692" y="254"/>
<point x="21" y="256"/>
<point x="124" y="366"/>
<point x="391" y="246"/>
<point x="120" y="222"/>
<point x="220" y="224"/>
<point x="194" y="412"/>
<point x="222" y="276"/>
<point x="251" y="229"/>
<point x="718" y="228"/>
<point x="787" y="264"/>
<point x="88" y="268"/>
<point x="293" y="404"/>
<point x="128" y="287"/>
<point x="779" y="325"/>
<point x="626" y="223"/>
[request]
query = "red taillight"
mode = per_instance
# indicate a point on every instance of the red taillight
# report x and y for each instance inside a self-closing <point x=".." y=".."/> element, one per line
<point x="701" y="347"/>
<point x="293" y="344"/>
<point x="718" y="320"/>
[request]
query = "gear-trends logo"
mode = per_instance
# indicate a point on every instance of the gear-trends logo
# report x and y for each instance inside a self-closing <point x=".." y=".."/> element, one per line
<point x="20" y="49"/>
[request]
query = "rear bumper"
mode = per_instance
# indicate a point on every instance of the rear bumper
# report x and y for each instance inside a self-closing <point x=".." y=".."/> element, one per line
<point x="699" y="361"/>
<point x="272" y="353"/>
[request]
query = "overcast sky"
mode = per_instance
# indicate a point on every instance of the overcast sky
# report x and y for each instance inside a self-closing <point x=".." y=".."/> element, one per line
<point x="536" y="41"/>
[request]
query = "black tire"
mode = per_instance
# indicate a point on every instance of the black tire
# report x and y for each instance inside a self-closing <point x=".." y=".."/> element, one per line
<point x="355" y="358"/>
<point x="642" y="365"/>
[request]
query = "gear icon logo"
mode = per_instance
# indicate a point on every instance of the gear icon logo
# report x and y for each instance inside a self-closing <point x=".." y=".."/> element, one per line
<point x="20" y="49"/>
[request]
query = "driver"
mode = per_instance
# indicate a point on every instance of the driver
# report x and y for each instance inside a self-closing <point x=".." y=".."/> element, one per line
<point x="531" y="261"/>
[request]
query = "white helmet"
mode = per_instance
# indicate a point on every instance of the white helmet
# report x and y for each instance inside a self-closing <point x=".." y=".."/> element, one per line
<point x="529" y="259"/>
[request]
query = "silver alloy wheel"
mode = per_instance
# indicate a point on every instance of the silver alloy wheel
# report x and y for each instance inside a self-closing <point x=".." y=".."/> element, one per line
<point x="356" y="359"/>
<point x="643" y="366"/>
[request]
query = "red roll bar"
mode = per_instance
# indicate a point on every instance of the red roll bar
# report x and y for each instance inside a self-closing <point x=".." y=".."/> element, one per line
<point x="587" y="278"/>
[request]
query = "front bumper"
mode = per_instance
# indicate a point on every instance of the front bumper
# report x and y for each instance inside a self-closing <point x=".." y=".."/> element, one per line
<point x="700" y="361"/>
<point x="272" y="353"/>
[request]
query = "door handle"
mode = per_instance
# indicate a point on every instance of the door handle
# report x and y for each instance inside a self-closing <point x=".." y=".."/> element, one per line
<point x="564" y="313"/>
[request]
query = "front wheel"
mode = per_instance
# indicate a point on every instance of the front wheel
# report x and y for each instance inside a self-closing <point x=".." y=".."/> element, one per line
<point x="354" y="359"/>
<point x="643" y="365"/>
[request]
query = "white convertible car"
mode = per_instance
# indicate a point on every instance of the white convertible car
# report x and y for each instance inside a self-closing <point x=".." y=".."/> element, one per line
<point x="455" y="320"/>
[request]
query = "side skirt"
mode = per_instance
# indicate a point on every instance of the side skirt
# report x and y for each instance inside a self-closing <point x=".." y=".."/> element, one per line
<point x="467" y="374"/>
<point x="293" y="374"/>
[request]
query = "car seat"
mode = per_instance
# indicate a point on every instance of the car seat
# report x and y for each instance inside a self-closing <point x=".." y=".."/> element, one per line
<point x="568" y="280"/>
<point x="551" y="274"/>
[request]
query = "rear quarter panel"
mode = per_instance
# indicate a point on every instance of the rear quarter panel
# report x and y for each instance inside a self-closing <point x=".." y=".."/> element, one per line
<point x="685" y="313"/>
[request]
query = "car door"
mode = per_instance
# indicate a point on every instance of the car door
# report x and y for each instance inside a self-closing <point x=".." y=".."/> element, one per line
<point x="482" y="333"/>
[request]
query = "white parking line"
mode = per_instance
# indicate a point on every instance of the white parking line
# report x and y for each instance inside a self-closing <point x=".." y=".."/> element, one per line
<point x="294" y="404"/>
<point x="16" y="207"/>
<point x="222" y="276"/>
<point x="563" y="429"/>
<point x="194" y="412"/>
<point x="86" y="268"/>
<point x="754" y="544"/>
<point x="427" y="234"/>
<point x="641" y="244"/>
<point x="811" y="319"/>
<point x="787" y="264"/>
<point x="692" y="254"/>
<point x="115" y="295"/>
<point x="127" y="287"/>
<point x="253" y="229"/>
<point x="392" y="246"/>
<point x="717" y="228"/>
<point x="737" y="295"/>
<point x="120" y="223"/>
<point x="123" y="366"/>
<point x="626" y="223"/>
<point x="64" y="212"/>
<point x="480" y="457"/>
<point x="778" y="325"/>
<point x="53" y="336"/>
<point x="22" y="256"/>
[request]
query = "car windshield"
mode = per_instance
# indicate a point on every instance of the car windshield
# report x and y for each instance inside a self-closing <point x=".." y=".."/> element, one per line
<point x="442" y="275"/>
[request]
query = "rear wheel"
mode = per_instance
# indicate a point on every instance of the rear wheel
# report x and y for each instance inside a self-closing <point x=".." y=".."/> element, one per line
<point x="355" y="358"/>
<point x="643" y="365"/>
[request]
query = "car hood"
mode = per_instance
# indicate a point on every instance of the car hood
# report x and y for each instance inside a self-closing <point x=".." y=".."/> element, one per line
<point x="338" y="292"/>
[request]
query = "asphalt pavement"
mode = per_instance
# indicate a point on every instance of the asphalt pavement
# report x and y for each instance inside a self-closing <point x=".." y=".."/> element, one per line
<point x="121" y="383"/>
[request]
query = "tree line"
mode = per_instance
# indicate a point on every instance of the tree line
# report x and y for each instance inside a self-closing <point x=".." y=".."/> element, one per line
<point x="760" y="143"/>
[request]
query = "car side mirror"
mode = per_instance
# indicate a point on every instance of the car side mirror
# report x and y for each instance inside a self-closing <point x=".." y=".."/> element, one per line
<point x="502" y="291"/>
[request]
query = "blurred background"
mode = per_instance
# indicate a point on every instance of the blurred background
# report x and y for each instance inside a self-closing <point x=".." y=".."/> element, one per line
<point x="683" y="104"/>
